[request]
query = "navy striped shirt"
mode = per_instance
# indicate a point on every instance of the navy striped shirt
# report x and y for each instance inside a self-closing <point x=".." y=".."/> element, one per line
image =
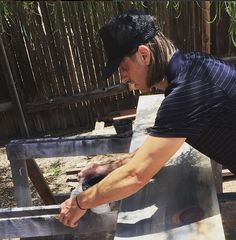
<point x="200" y="105"/>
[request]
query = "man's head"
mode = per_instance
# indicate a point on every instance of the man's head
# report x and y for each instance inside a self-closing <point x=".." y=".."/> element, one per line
<point x="130" y="36"/>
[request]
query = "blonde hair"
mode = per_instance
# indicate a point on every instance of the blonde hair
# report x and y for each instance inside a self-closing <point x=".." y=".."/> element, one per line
<point x="162" y="50"/>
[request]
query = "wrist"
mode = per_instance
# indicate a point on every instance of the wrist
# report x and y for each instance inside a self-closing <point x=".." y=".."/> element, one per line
<point x="78" y="204"/>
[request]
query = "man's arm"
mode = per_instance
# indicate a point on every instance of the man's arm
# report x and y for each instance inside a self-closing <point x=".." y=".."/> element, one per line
<point x="95" y="168"/>
<point x="125" y="180"/>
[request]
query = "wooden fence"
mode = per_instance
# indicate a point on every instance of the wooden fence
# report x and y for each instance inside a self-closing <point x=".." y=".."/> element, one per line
<point x="56" y="57"/>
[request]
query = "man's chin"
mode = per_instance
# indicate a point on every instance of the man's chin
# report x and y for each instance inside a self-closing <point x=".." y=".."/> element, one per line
<point x="145" y="91"/>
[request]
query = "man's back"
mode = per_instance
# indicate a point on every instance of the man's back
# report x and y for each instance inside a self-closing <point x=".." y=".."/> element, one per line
<point x="200" y="105"/>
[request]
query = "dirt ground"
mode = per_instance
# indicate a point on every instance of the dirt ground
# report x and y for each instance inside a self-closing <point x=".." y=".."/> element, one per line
<point x="54" y="171"/>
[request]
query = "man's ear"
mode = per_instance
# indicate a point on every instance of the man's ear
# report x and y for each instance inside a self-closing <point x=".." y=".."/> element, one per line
<point x="145" y="53"/>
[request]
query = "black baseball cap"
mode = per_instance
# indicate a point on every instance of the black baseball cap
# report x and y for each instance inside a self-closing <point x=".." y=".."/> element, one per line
<point x="122" y="34"/>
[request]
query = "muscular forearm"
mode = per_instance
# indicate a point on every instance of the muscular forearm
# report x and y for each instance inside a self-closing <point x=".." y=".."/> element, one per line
<point x="129" y="178"/>
<point x="119" y="184"/>
<point x="118" y="163"/>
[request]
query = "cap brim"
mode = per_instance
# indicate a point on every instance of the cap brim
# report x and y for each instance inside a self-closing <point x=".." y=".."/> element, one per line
<point x="111" y="67"/>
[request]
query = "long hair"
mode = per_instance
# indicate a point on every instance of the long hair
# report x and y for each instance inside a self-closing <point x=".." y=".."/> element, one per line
<point x="162" y="50"/>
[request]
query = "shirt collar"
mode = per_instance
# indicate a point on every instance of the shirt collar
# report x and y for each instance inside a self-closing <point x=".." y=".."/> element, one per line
<point x="175" y="65"/>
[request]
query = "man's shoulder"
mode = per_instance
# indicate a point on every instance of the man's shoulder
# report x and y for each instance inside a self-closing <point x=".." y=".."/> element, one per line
<point x="205" y="57"/>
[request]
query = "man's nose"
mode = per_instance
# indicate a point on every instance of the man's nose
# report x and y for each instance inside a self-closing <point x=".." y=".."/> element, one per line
<point x="124" y="77"/>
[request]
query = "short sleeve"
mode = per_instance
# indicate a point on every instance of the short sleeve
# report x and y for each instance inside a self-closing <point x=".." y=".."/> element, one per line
<point x="188" y="110"/>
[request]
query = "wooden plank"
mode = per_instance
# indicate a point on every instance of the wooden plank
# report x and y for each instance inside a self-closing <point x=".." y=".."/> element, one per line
<point x="113" y="115"/>
<point x="180" y="202"/>
<point x="58" y="147"/>
<point x="28" y="211"/>
<point x="21" y="183"/>
<point x="131" y="116"/>
<point x="39" y="182"/>
<point x="71" y="179"/>
<point x="42" y="221"/>
<point x="74" y="98"/>
<point x="73" y="171"/>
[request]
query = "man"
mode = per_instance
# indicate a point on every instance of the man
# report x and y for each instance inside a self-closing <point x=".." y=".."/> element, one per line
<point x="199" y="108"/>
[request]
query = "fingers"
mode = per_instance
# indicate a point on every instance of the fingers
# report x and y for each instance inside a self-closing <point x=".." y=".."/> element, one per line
<point x="88" y="170"/>
<point x="66" y="218"/>
<point x="63" y="212"/>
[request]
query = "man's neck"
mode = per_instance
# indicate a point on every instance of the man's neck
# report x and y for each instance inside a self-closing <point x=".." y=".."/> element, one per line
<point x="162" y="85"/>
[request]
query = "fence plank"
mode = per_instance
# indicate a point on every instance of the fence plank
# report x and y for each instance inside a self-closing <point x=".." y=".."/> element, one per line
<point x="55" y="147"/>
<point x="48" y="225"/>
<point x="85" y="96"/>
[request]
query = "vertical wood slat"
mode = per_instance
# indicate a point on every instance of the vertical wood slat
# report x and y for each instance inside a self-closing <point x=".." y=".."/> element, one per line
<point x="57" y="24"/>
<point x="21" y="66"/>
<point x="206" y="30"/>
<point x="69" y="76"/>
<point x="50" y="70"/>
<point x="79" y="113"/>
<point x="69" y="45"/>
<point x="46" y="11"/>
<point x="82" y="61"/>
<point x="92" y="56"/>
<point x="49" y="79"/>
<point x="46" y="83"/>
<point x="27" y="46"/>
<point x="79" y="55"/>
<point x="87" y="64"/>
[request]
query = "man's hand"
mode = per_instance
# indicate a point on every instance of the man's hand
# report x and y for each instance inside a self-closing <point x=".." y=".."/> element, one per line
<point x="97" y="169"/>
<point x="70" y="213"/>
<point x="93" y="169"/>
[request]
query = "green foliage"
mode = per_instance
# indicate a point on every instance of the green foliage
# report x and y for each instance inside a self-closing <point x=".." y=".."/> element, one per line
<point x="175" y="5"/>
<point x="230" y="8"/>
<point x="9" y="9"/>
<point x="55" y="169"/>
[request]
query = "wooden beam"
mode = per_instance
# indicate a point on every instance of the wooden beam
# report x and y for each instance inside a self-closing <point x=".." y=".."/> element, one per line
<point x="130" y="116"/>
<point x="72" y="179"/>
<point x="112" y="115"/>
<point x="73" y="171"/>
<point x="39" y="182"/>
<point x="85" y="96"/>
<point x="21" y="183"/>
<point x="58" y="147"/>
<point x="28" y="211"/>
<point x="20" y="152"/>
<point x="180" y="202"/>
<point x="42" y="221"/>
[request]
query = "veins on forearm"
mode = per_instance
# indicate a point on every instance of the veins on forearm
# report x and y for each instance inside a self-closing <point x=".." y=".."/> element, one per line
<point x="118" y="163"/>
